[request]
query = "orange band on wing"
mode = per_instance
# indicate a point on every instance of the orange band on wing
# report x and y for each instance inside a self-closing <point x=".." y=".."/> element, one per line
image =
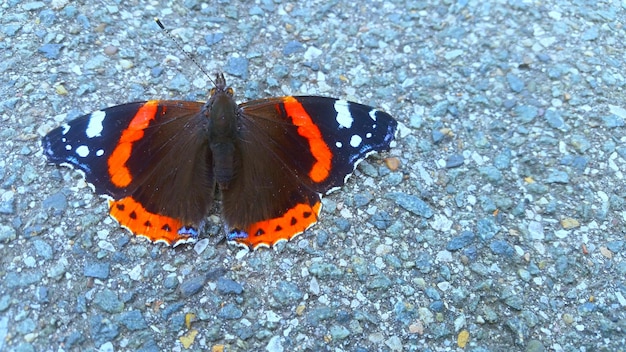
<point x="295" y="221"/>
<point x="119" y="172"/>
<point x="132" y="215"/>
<point x="307" y="129"/>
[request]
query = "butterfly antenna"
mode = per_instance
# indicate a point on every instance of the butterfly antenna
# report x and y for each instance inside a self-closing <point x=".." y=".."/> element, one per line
<point x="180" y="46"/>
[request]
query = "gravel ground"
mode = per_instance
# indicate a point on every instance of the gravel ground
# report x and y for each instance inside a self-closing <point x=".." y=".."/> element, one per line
<point x="503" y="228"/>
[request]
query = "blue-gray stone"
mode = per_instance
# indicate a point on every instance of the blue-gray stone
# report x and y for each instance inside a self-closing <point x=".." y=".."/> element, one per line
<point x="379" y="282"/>
<point x="26" y="326"/>
<point x="325" y="270"/>
<point x="615" y="246"/>
<point x="7" y="233"/>
<point x="22" y="279"/>
<point x="228" y="286"/>
<point x="95" y="62"/>
<point x="51" y="51"/>
<point x="287" y="293"/>
<point x="580" y="143"/>
<point x="321" y="238"/>
<point x="502" y="161"/>
<point x="381" y="220"/>
<point x="293" y="47"/>
<point x="491" y="173"/>
<point x="5" y="302"/>
<point x="280" y="71"/>
<point x="393" y="179"/>
<point x="432" y="293"/>
<point x="132" y="320"/>
<point x="338" y="332"/>
<point x="502" y="247"/>
<point x="74" y="338"/>
<point x="487" y="228"/>
<point x="108" y="301"/>
<point x="7" y="203"/>
<point x="436" y="306"/>
<point x="591" y="33"/>
<point x="515" y="83"/>
<point x="97" y="269"/>
<point x="102" y="329"/>
<point x="81" y="304"/>
<point x="439" y="109"/>
<point x="405" y="312"/>
<point x="46" y="18"/>
<point x="192" y="285"/>
<point x="557" y="176"/>
<point x="10" y="29"/>
<point x="342" y="224"/>
<point x="586" y="308"/>
<point x="179" y="83"/>
<point x="519" y="329"/>
<point x="411" y="203"/>
<point x="33" y="5"/>
<point x="463" y="240"/>
<point x="317" y="315"/>
<point x="23" y="347"/>
<point x="535" y="346"/>
<point x="237" y="66"/>
<point x="437" y="136"/>
<point x="57" y="201"/>
<point x="612" y="121"/>
<point x="171" y="309"/>
<point x="255" y="11"/>
<point x="555" y="120"/>
<point x="43" y="249"/>
<point x="526" y="113"/>
<point x="424" y="262"/>
<point x="230" y="311"/>
<point x="213" y="38"/>
<point x="41" y="294"/>
<point x="362" y="199"/>
<point x="454" y="160"/>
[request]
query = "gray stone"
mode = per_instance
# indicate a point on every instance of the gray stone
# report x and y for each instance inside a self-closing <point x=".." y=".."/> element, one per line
<point x="97" y="270"/>
<point x="108" y="301"/>
<point x="132" y="320"/>
<point x="228" y="286"/>
<point x="229" y="312"/>
<point x="412" y="203"/>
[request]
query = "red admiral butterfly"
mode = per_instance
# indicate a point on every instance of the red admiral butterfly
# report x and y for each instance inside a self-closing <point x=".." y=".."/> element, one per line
<point x="161" y="161"/>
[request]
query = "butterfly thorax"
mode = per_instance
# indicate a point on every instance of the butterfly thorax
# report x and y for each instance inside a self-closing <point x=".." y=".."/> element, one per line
<point x="221" y="111"/>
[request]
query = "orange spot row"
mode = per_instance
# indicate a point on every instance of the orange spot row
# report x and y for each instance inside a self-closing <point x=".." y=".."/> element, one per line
<point x="119" y="172"/>
<point x="293" y="223"/>
<point x="132" y="215"/>
<point x="307" y="129"/>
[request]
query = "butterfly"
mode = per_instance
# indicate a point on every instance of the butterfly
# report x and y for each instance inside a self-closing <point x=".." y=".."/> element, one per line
<point x="162" y="163"/>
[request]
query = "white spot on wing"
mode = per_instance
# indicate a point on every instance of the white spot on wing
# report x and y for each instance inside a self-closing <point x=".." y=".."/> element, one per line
<point x="339" y="144"/>
<point x="368" y="135"/>
<point x="100" y="152"/>
<point x="68" y="147"/>
<point x="373" y="114"/>
<point x="66" y="128"/>
<point x="82" y="151"/>
<point x="355" y="141"/>
<point x="94" y="128"/>
<point x="344" y="118"/>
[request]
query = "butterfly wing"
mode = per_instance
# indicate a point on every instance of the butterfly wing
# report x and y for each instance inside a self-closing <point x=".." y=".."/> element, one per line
<point x="134" y="154"/>
<point x="293" y="150"/>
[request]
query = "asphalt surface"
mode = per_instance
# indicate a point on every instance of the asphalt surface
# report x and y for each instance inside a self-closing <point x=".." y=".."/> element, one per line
<point x="502" y="229"/>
